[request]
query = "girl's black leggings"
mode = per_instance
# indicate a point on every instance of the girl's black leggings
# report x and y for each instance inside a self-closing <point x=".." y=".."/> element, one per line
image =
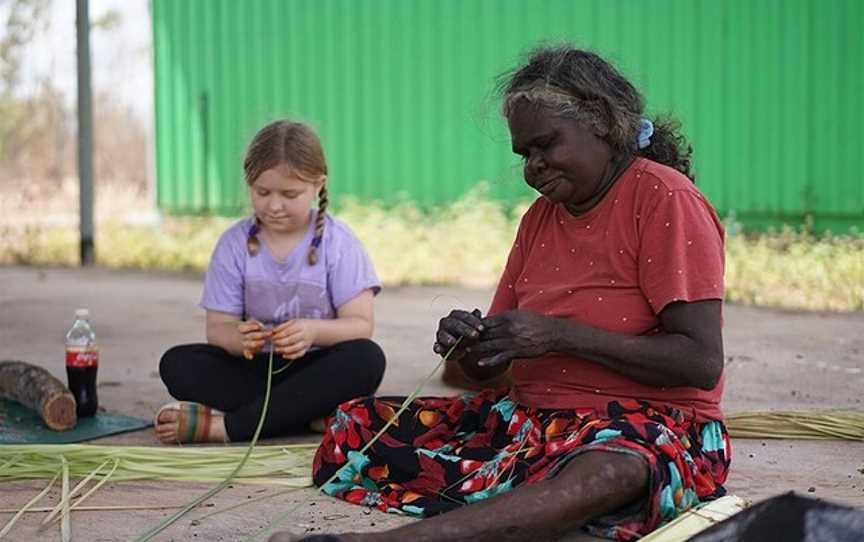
<point x="309" y="388"/>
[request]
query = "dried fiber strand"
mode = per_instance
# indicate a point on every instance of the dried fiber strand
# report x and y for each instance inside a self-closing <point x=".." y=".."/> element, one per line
<point x="27" y="507"/>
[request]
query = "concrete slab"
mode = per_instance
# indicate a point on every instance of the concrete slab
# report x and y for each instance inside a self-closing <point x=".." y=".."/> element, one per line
<point x="775" y="359"/>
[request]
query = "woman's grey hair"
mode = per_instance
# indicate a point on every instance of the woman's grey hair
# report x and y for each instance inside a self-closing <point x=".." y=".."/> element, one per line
<point x="580" y="85"/>
<point x="588" y="113"/>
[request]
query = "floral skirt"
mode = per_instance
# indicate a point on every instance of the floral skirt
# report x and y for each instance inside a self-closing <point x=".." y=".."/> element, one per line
<point x="443" y="453"/>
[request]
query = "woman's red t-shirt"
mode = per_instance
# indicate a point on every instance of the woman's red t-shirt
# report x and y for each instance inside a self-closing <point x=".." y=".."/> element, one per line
<point x="654" y="239"/>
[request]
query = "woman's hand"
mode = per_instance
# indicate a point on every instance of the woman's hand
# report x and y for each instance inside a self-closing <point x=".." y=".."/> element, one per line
<point x="458" y="325"/>
<point x="515" y="334"/>
<point x="294" y="338"/>
<point x="254" y="336"/>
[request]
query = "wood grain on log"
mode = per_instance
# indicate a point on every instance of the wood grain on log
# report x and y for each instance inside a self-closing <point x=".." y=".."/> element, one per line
<point x="36" y="388"/>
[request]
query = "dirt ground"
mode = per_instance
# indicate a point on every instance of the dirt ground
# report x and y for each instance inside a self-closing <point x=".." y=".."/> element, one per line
<point x="775" y="359"/>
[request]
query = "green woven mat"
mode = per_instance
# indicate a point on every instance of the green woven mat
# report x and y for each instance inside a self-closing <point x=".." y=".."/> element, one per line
<point x="20" y="425"/>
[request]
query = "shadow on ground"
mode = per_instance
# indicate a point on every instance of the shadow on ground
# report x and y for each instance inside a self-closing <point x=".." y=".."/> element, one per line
<point x="775" y="360"/>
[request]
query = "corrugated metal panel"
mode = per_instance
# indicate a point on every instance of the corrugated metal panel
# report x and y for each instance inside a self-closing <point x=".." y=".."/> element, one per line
<point x="770" y="93"/>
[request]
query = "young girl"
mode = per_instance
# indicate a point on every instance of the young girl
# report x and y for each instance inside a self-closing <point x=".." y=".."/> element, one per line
<point x="289" y="278"/>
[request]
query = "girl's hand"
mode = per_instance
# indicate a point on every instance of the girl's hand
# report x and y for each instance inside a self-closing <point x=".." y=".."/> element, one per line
<point x="458" y="324"/>
<point x="293" y="338"/>
<point x="255" y="335"/>
<point x="516" y="334"/>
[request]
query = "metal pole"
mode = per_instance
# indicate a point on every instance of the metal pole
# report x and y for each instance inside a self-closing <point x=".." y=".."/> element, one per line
<point x="85" y="133"/>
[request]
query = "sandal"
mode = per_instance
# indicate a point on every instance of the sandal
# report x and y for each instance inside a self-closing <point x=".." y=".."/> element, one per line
<point x="193" y="421"/>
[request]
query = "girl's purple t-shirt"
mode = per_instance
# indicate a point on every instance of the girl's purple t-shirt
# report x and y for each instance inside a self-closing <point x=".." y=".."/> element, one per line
<point x="270" y="291"/>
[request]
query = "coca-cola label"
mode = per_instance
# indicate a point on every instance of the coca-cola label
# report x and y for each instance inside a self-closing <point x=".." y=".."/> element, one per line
<point x="82" y="357"/>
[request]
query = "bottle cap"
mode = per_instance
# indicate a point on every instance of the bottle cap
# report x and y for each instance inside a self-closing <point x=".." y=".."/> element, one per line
<point x="82" y="313"/>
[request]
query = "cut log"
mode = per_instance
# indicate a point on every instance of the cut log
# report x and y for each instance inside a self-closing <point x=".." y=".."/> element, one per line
<point x="36" y="388"/>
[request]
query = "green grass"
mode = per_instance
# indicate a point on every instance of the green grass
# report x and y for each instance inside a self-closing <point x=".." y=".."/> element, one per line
<point x="794" y="269"/>
<point x="466" y="244"/>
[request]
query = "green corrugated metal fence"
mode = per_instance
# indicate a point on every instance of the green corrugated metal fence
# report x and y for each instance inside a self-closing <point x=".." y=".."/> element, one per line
<point x="770" y="93"/>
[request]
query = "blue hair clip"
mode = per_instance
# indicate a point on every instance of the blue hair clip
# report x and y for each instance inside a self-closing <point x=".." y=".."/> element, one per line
<point x="646" y="130"/>
<point x="316" y="242"/>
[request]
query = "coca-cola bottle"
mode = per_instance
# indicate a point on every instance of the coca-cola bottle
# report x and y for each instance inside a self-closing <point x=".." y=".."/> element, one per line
<point x="82" y="362"/>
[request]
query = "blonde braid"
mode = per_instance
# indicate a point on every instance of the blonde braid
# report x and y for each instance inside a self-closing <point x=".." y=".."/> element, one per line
<point x="319" y="226"/>
<point x="252" y="243"/>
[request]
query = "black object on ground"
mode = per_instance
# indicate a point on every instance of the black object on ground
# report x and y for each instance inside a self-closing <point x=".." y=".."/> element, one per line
<point x="789" y="518"/>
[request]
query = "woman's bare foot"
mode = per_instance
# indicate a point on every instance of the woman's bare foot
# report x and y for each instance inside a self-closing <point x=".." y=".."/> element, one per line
<point x="177" y="423"/>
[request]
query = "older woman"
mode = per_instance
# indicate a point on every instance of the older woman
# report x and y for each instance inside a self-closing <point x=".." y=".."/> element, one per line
<point x="608" y="317"/>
